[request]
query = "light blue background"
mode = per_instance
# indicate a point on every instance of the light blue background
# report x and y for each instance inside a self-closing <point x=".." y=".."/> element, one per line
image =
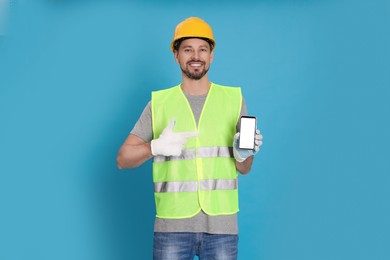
<point x="75" y="76"/>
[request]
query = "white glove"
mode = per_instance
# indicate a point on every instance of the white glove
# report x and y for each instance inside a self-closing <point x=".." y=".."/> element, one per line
<point x="241" y="154"/>
<point x="170" y="143"/>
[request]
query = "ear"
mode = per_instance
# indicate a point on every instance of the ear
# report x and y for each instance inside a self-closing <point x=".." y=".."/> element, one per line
<point x="211" y="56"/>
<point x="175" y="56"/>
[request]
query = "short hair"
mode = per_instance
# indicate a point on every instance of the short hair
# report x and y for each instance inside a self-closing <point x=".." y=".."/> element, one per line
<point x="177" y="43"/>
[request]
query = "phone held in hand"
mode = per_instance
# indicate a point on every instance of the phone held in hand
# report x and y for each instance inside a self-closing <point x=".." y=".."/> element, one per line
<point x="247" y="132"/>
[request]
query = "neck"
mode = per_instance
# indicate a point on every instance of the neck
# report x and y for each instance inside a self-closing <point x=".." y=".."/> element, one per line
<point x="196" y="87"/>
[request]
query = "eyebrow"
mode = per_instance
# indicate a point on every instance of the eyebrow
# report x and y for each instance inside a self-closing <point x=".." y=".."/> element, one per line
<point x="190" y="46"/>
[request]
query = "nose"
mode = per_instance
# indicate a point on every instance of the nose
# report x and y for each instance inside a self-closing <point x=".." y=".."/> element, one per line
<point x="196" y="55"/>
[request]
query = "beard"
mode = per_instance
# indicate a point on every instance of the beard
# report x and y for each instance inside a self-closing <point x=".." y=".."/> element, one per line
<point x="197" y="74"/>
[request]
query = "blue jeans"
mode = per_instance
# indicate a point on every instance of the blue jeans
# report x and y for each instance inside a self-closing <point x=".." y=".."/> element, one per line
<point x="185" y="245"/>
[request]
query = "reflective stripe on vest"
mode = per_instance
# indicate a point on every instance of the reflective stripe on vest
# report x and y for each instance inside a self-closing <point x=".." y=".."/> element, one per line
<point x="192" y="186"/>
<point x="219" y="184"/>
<point x="176" y="186"/>
<point x="203" y="152"/>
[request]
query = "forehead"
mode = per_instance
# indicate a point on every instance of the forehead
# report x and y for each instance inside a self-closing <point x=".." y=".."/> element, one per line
<point x="194" y="43"/>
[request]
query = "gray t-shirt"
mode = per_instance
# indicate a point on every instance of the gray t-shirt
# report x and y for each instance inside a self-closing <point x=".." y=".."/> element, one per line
<point x="223" y="224"/>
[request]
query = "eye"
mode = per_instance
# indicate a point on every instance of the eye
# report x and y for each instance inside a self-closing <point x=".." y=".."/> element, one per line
<point x="187" y="50"/>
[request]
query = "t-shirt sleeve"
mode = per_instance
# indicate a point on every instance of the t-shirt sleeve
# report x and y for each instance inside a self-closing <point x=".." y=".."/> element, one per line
<point x="243" y="112"/>
<point x="143" y="127"/>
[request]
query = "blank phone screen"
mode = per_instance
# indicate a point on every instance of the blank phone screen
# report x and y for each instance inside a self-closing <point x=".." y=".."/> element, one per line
<point x="247" y="132"/>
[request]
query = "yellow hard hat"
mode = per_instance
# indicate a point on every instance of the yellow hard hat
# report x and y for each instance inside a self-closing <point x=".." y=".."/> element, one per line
<point x="193" y="27"/>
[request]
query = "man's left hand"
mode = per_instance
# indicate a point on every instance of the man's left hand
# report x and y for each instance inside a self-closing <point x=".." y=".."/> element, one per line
<point x="242" y="154"/>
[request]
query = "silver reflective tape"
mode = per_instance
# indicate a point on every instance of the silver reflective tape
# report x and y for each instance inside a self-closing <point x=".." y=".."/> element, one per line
<point x="176" y="186"/>
<point x="215" y="151"/>
<point x="203" y="152"/>
<point x="187" y="154"/>
<point x="219" y="184"/>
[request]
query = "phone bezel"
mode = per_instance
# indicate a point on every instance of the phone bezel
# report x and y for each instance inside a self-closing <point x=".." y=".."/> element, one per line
<point x="254" y="133"/>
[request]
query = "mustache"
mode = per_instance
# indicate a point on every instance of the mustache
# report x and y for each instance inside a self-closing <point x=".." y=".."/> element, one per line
<point x="194" y="60"/>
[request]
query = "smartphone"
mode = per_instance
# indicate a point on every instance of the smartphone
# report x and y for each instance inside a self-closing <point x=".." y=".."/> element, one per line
<point x="247" y="132"/>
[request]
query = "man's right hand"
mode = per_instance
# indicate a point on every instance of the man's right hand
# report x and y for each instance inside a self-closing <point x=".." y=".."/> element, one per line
<point x="170" y="143"/>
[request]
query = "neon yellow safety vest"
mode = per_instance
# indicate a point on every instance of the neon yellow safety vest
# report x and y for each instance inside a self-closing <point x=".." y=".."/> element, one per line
<point x="204" y="176"/>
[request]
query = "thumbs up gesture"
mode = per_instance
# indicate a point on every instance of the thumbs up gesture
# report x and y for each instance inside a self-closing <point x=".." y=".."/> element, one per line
<point x="170" y="143"/>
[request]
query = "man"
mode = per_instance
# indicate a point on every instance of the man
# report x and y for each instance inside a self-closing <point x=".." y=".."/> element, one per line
<point x="189" y="130"/>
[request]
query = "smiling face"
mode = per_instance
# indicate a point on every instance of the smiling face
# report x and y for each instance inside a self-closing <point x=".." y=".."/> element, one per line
<point x="194" y="57"/>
